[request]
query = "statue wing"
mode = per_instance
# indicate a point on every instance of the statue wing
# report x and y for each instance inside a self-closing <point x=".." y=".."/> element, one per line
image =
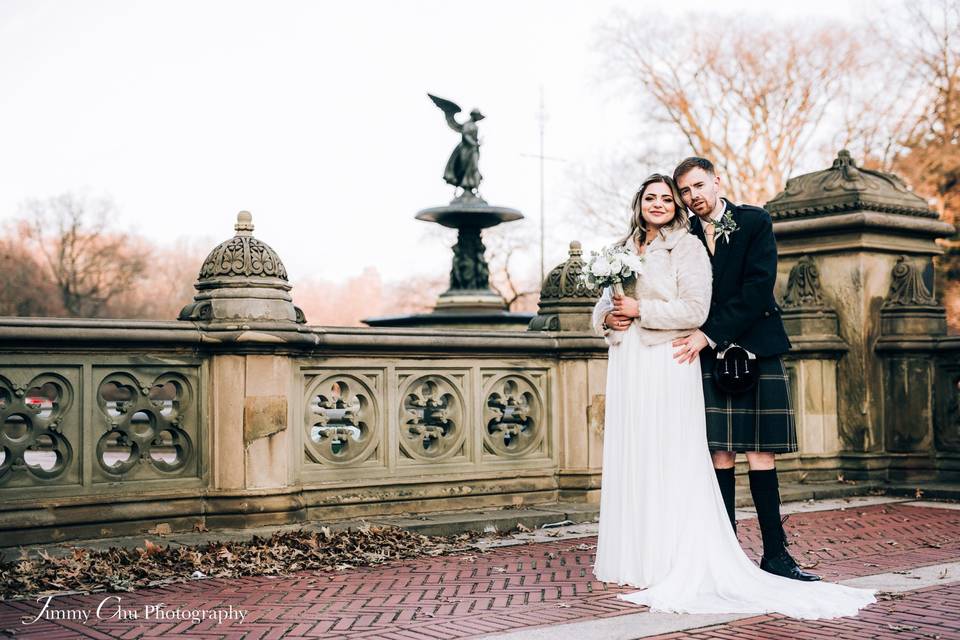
<point x="449" y="108"/>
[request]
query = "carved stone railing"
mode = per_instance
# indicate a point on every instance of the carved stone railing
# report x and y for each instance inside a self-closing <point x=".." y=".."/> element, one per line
<point x="113" y="426"/>
<point x="240" y="414"/>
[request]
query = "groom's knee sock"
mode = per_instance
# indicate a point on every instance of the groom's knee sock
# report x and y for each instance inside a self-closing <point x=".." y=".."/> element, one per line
<point x="766" y="498"/>
<point x="728" y="483"/>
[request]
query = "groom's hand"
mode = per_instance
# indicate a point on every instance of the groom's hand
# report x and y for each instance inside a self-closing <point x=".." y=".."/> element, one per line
<point x="689" y="347"/>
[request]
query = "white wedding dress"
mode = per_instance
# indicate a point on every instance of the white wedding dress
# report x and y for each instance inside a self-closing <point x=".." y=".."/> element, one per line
<point x="663" y="525"/>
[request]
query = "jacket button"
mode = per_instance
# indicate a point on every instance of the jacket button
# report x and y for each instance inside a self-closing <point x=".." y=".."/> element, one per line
<point x="766" y="314"/>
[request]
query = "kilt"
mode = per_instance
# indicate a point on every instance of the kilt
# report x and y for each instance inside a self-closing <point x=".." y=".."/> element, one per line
<point x="761" y="419"/>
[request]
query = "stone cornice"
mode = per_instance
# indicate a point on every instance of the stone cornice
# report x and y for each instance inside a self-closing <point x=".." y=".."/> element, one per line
<point x="845" y="187"/>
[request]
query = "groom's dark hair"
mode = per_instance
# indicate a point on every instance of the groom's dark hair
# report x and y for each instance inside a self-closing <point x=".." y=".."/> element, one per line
<point x="690" y="164"/>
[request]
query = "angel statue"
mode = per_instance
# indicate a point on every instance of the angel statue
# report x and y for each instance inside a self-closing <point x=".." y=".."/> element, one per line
<point x="462" y="167"/>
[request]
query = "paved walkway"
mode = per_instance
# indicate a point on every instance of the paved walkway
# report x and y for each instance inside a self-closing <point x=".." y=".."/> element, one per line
<point x="545" y="589"/>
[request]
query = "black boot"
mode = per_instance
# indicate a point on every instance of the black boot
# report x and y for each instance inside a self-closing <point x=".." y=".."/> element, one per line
<point x="766" y="498"/>
<point x="728" y="483"/>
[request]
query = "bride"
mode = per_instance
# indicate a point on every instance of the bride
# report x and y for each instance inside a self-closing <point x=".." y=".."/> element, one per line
<point x="663" y="524"/>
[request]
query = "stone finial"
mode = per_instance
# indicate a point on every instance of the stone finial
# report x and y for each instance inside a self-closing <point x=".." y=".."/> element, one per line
<point x="565" y="302"/>
<point x="242" y="256"/>
<point x="563" y="281"/>
<point x="844" y="162"/>
<point x="244" y="226"/>
<point x="253" y="274"/>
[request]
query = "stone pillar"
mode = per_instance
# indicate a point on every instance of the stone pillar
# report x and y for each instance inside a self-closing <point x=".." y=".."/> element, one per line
<point x="813" y="328"/>
<point x="566" y="305"/>
<point x="857" y="226"/>
<point x="243" y="303"/>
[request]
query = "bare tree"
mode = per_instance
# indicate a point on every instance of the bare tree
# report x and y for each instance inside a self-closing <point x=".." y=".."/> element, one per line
<point x="25" y="289"/>
<point x="89" y="263"/>
<point x="752" y="96"/>
<point x="604" y="191"/>
<point x="929" y="154"/>
<point x="518" y="286"/>
<point x="167" y="285"/>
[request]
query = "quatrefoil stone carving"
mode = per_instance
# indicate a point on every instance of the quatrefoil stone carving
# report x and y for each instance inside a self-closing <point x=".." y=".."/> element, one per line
<point x="31" y="440"/>
<point x="143" y="423"/>
<point x="342" y="420"/>
<point x="431" y="418"/>
<point x="513" y="416"/>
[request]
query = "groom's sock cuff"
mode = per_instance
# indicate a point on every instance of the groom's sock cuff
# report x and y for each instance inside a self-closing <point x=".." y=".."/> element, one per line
<point x="765" y="480"/>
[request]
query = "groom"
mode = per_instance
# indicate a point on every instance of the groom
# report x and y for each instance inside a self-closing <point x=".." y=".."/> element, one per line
<point x="743" y="311"/>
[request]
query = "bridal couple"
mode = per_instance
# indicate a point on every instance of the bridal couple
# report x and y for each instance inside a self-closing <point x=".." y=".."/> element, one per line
<point x="667" y="520"/>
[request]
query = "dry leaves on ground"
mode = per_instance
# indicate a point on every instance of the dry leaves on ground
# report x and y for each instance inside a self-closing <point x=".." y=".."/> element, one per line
<point x="283" y="553"/>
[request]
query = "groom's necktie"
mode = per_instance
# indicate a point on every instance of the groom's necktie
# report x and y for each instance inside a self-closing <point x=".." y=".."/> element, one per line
<point x="709" y="232"/>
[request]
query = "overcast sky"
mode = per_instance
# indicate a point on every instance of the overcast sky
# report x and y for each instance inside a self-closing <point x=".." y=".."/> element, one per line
<point x="312" y="115"/>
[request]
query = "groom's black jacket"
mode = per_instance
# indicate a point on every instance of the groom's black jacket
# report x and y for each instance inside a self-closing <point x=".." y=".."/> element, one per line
<point x="743" y="309"/>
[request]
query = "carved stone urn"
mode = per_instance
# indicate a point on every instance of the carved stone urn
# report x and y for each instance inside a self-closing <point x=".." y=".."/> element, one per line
<point x="565" y="303"/>
<point x="241" y="281"/>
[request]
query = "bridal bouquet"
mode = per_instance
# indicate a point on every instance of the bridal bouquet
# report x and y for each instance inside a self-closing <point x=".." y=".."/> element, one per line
<point x="610" y="267"/>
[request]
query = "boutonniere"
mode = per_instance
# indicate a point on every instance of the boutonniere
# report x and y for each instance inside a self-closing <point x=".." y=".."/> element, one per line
<point x="725" y="226"/>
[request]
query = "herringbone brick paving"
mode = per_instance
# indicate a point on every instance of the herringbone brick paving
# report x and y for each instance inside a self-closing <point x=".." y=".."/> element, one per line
<point x="517" y="587"/>
<point x="931" y="613"/>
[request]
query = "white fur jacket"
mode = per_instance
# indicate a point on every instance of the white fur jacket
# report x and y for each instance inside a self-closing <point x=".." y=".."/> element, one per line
<point x="673" y="290"/>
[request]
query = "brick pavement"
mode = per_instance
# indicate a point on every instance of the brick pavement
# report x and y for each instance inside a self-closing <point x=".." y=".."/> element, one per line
<point x="528" y="586"/>
<point x="931" y="613"/>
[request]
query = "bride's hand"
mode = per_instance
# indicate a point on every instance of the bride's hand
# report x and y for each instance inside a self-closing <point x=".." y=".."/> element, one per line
<point x="617" y="322"/>
<point x="626" y="306"/>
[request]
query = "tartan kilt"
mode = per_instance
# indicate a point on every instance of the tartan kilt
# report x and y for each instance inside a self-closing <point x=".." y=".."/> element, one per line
<point x="761" y="419"/>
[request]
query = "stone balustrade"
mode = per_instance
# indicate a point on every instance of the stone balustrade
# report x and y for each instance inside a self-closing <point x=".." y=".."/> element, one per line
<point x="241" y="414"/>
<point x="112" y="427"/>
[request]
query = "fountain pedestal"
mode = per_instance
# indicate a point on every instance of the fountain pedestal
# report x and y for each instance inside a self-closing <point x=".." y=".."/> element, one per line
<point x="470" y="302"/>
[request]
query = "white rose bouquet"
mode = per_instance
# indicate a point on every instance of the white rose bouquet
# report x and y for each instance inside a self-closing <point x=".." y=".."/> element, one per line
<point x="609" y="267"/>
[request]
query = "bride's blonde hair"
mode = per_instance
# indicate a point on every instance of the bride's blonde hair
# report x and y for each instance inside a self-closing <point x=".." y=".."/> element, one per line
<point x="638" y="229"/>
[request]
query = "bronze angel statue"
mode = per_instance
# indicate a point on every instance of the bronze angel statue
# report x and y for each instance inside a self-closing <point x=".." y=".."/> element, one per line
<point x="462" y="167"/>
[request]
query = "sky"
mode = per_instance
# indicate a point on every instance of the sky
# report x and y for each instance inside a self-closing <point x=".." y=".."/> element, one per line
<point x="313" y="115"/>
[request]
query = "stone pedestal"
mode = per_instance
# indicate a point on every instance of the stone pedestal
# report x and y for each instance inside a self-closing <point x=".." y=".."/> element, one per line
<point x="470" y="302"/>
<point x="861" y="229"/>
